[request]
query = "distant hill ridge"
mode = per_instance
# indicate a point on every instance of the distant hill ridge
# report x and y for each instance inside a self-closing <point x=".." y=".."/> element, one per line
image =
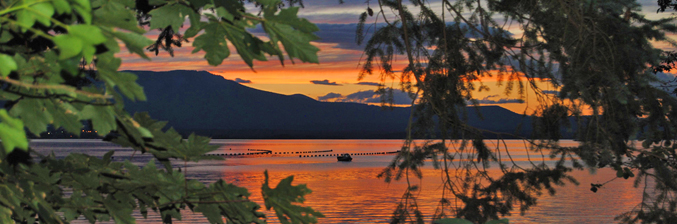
<point x="198" y="101"/>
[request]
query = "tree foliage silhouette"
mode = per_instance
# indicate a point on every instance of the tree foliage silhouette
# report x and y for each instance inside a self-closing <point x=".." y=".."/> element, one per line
<point x="596" y="53"/>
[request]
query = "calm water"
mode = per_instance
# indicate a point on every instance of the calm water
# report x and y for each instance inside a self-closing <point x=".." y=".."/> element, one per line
<point x="350" y="192"/>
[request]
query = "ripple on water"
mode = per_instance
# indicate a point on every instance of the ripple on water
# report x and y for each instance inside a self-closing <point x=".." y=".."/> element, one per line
<point x="351" y="192"/>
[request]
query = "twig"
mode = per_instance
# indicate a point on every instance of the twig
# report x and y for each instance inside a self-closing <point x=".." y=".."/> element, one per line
<point x="54" y="87"/>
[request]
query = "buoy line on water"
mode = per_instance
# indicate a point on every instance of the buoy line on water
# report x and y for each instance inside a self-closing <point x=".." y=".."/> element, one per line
<point x="263" y="152"/>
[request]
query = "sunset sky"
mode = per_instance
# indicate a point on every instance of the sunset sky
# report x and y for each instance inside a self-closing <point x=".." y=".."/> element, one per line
<point x="336" y="77"/>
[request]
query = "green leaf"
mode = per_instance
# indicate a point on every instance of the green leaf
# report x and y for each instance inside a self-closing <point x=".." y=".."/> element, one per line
<point x="84" y="9"/>
<point x="43" y="12"/>
<point x="156" y="2"/>
<point x="195" y="26"/>
<point x="145" y="132"/>
<point x="296" y="43"/>
<point x="197" y="4"/>
<point x="88" y="52"/>
<point x="273" y="3"/>
<point x="234" y="7"/>
<point x="64" y="115"/>
<point x="135" y="43"/>
<point x="88" y="33"/>
<point x="293" y="32"/>
<point x="452" y="221"/>
<point x="33" y="113"/>
<point x="7" y="65"/>
<point x="243" y="211"/>
<point x="69" y="46"/>
<point x="195" y="148"/>
<point x="161" y="139"/>
<point x="103" y="118"/>
<point x="62" y="6"/>
<point x="85" y="4"/>
<point x="5" y="37"/>
<point x="25" y="19"/>
<point x="213" y="43"/>
<point x="223" y="13"/>
<point x="9" y="96"/>
<point x="12" y="133"/>
<point x="125" y="82"/>
<point x="70" y="214"/>
<point x="169" y="15"/>
<point x="248" y="46"/>
<point x="108" y="62"/>
<point x="115" y="13"/>
<point x="70" y="65"/>
<point x="107" y="157"/>
<point x="112" y="45"/>
<point x="118" y="209"/>
<point x="498" y="221"/>
<point x="211" y="211"/>
<point x="6" y="215"/>
<point x="281" y="198"/>
<point x="289" y="16"/>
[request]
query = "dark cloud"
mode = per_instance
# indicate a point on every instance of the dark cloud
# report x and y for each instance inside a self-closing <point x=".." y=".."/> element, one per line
<point x="665" y="81"/>
<point x="243" y="81"/>
<point x="311" y="5"/>
<point x="529" y="63"/>
<point x="337" y="18"/>
<point x="367" y="83"/>
<point x="489" y="100"/>
<point x="324" y="82"/>
<point x="553" y="92"/>
<point x="665" y="77"/>
<point x="361" y="96"/>
<point x="329" y="96"/>
<point x="367" y="96"/>
<point x="343" y="34"/>
<point x="330" y="11"/>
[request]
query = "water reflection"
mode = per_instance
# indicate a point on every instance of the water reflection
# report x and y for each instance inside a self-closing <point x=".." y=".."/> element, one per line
<point x="349" y="192"/>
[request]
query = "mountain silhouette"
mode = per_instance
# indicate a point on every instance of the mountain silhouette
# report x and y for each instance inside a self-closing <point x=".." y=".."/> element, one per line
<point x="207" y="104"/>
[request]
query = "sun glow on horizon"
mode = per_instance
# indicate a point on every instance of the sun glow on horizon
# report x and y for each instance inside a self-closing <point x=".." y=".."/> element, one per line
<point x="340" y="64"/>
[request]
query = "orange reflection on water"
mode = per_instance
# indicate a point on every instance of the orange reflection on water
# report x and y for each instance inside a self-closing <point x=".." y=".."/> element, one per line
<point x="343" y="196"/>
<point x="351" y="192"/>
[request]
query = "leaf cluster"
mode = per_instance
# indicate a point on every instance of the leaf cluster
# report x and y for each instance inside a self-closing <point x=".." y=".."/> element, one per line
<point x="59" y="69"/>
<point x="598" y="54"/>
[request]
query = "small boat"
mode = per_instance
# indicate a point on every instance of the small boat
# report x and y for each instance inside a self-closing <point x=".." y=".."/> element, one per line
<point x="344" y="157"/>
